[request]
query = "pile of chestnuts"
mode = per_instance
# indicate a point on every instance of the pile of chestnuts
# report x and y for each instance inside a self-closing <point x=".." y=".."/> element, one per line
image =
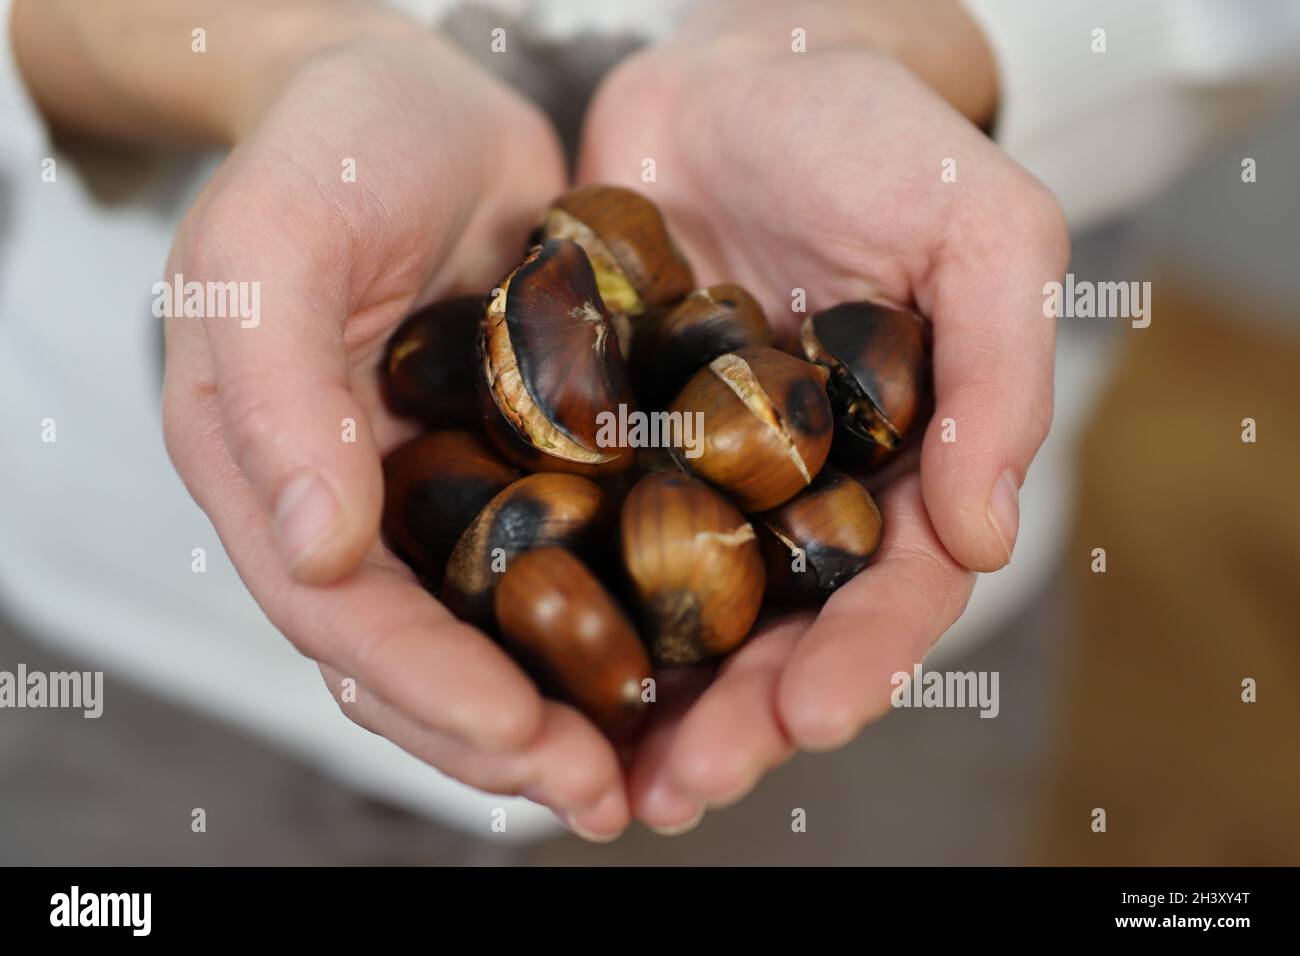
<point x="621" y="470"/>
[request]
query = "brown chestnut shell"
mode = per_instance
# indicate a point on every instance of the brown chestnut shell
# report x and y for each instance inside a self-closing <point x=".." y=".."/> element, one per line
<point x="434" y="485"/>
<point x="551" y="365"/>
<point x="549" y="509"/>
<point x="879" y="372"/>
<point x="566" y="630"/>
<point x="767" y="425"/>
<point x="819" y="539"/>
<point x="693" y="565"/>
<point x="428" y="371"/>
<point x="672" y="344"/>
<point x="637" y="264"/>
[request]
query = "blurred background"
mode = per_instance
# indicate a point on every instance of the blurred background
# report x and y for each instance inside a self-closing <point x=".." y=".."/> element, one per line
<point x="1119" y="690"/>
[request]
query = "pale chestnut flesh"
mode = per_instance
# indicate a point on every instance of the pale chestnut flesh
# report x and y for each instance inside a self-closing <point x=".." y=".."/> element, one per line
<point x="636" y="262"/>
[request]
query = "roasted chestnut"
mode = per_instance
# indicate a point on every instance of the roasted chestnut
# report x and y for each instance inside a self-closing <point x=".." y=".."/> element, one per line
<point x="673" y="344"/>
<point x="434" y="485"/>
<point x="636" y="263"/>
<point x="551" y="365"/>
<point x="427" y="372"/>
<point x="876" y="356"/>
<point x="767" y="425"/>
<point x="544" y="510"/>
<point x="818" y="539"/>
<point x="693" y="565"/>
<point x="561" y="624"/>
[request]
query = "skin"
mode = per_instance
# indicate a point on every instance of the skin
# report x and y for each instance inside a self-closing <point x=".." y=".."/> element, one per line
<point x="822" y="172"/>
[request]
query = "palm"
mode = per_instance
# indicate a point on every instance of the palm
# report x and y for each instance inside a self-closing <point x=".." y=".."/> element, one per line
<point x="380" y="191"/>
<point x="770" y="183"/>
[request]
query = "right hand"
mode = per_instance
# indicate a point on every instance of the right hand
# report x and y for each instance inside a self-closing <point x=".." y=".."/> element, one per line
<point x="452" y="170"/>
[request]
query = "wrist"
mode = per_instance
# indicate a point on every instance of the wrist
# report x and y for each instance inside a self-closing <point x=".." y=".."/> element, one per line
<point x="298" y="37"/>
<point x="186" y="70"/>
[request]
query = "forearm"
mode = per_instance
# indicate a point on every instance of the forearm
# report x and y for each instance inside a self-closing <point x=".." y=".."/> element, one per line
<point x="129" y="69"/>
<point x="936" y="39"/>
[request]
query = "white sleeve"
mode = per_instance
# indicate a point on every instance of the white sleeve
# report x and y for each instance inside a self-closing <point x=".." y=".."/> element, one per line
<point x="23" y="135"/>
<point x="1107" y="118"/>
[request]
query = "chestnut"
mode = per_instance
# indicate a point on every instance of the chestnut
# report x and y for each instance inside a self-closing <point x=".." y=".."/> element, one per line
<point x="878" y="367"/>
<point x="550" y="364"/>
<point x="434" y="485"/>
<point x="819" y="539"/>
<point x="767" y="425"/>
<point x="693" y="566"/>
<point x="427" y="373"/>
<point x="566" y="630"/>
<point x="673" y="344"/>
<point x="537" y="511"/>
<point x="636" y="262"/>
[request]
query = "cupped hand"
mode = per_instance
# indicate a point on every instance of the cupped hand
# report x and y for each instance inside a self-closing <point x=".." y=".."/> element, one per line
<point x="380" y="175"/>
<point x="825" y="172"/>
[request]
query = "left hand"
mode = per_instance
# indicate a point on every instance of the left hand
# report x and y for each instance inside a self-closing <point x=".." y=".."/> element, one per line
<point x="822" y="171"/>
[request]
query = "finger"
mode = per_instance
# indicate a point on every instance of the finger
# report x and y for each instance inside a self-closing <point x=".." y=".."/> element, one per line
<point x="569" y="767"/>
<point x="883" y="621"/>
<point x="288" y="416"/>
<point x="657" y="801"/>
<point x="377" y="626"/>
<point x="993" y="356"/>
<point x="731" y="736"/>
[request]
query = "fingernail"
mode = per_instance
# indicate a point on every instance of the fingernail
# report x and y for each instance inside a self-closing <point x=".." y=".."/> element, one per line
<point x="611" y="804"/>
<point x="588" y="835"/>
<point x="304" y="514"/>
<point x="680" y="828"/>
<point x="1004" y="511"/>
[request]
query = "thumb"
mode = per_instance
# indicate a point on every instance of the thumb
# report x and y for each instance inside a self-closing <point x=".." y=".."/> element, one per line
<point x="289" y="420"/>
<point x="307" y="450"/>
<point x="993" y="357"/>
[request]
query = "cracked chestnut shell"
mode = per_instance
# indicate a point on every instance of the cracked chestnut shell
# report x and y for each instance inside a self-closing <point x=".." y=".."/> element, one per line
<point x="427" y="373"/>
<point x="636" y="262"/>
<point x="876" y="356"/>
<point x="819" y="539"/>
<point x="767" y="425"/>
<point x="566" y="630"/>
<point x="434" y="485"/>
<point x="671" y="345"/>
<point x="550" y="364"/>
<point x="538" y="511"/>
<point x="694" y="567"/>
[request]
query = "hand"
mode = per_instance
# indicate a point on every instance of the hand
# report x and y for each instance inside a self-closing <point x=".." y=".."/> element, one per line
<point x="451" y="172"/>
<point x="822" y="171"/>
